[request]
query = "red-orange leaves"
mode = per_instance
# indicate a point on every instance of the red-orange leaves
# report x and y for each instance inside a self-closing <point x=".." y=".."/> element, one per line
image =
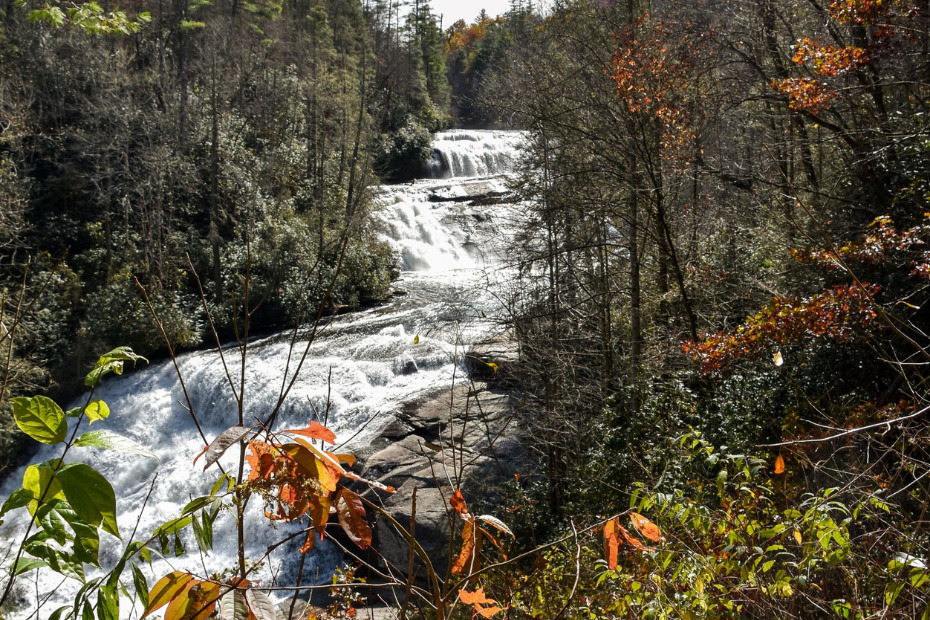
<point x="352" y="518"/>
<point x="646" y="527"/>
<point x="315" y="431"/>
<point x="484" y="606"/>
<point x="828" y="60"/>
<point x="261" y="460"/>
<point x="653" y="69"/>
<point x="805" y="94"/>
<point x="841" y="313"/>
<point x="611" y="542"/>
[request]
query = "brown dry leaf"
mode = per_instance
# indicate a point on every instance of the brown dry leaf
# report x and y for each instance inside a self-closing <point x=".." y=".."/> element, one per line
<point x="352" y="518"/>
<point x="646" y="527"/>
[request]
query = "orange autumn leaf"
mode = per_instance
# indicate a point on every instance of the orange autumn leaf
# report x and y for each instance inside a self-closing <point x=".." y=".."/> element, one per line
<point x="352" y="518"/>
<point x="646" y="527"/>
<point x="310" y="542"/>
<point x="631" y="540"/>
<point x="468" y="555"/>
<point x="319" y="512"/>
<point x="311" y="465"/>
<point x="315" y="431"/>
<point x="166" y="589"/>
<point x="475" y="598"/>
<point x="327" y="459"/>
<point x="196" y="602"/>
<point x="261" y="460"/>
<point x="611" y="542"/>
<point x="478" y="600"/>
<point x="458" y="502"/>
<point x="779" y="465"/>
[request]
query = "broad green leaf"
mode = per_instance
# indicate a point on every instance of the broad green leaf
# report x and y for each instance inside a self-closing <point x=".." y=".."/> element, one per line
<point x="40" y="418"/>
<point x="86" y="536"/>
<point x="41" y="482"/>
<point x="196" y="504"/>
<point x="17" y="499"/>
<point x="61" y="562"/>
<point x="179" y="549"/>
<point x="24" y="565"/>
<point x="52" y="522"/>
<point x="111" y="362"/>
<point x="892" y="590"/>
<point x="202" y="542"/>
<point x="90" y="495"/>
<point x="207" y="527"/>
<point x="108" y="440"/>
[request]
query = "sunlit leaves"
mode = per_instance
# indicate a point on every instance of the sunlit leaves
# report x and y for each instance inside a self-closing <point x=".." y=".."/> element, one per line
<point x="483" y="606"/>
<point x="653" y="70"/>
<point x="611" y="542"/>
<point x="315" y="431"/>
<point x="90" y="495"/>
<point x="165" y="589"/>
<point x="828" y="60"/>
<point x="467" y="560"/>
<point x="111" y="362"/>
<point x="805" y="93"/>
<point x="646" y="527"/>
<point x="108" y="440"/>
<point x="40" y="418"/>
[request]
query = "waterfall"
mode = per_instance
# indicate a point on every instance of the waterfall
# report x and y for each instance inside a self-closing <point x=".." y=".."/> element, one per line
<point x="359" y="370"/>
<point x="473" y="153"/>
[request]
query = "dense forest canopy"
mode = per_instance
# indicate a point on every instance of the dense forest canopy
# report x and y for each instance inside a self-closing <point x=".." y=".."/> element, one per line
<point x="721" y="276"/>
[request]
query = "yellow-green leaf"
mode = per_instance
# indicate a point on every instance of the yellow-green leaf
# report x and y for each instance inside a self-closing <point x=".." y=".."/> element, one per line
<point x="40" y="418"/>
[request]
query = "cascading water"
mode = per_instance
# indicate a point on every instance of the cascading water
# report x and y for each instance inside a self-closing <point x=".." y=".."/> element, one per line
<point x="359" y="369"/>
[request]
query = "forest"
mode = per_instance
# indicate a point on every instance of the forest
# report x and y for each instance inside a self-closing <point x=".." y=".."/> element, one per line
<point x="718" y="289"/>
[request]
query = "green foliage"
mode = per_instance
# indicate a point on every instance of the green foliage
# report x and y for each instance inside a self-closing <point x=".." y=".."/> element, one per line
<point x="70" y="502"/>
<point x="404" y="152"/>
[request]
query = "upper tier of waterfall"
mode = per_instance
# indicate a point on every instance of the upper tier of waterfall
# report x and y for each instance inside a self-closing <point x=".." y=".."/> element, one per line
<point x="473" y="153"/>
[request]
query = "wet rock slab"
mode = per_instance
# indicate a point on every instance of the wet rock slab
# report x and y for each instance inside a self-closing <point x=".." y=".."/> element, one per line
<point x="464" y="437"/>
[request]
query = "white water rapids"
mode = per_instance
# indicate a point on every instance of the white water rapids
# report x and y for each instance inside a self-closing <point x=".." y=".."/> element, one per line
<point x="365" y="365"/>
